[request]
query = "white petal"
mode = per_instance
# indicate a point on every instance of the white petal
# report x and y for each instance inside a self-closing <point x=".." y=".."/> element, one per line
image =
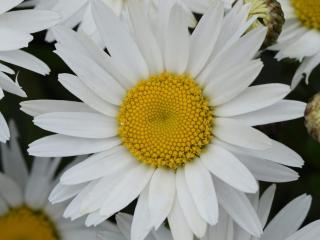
<point x="25" y="60"/>
<point x="278" y="153"/>
<point x="227" y="85"/>
<point x="10" y="191"/>
<point x="204" y="38"/>
<point x="80" y="90"/>
<point x="63" y="146"/>
<point x="229" y="169"/>
<point x="178" y="225"/>
<point x="190" y="211"/>
<point x="137" y="179"/>
<point x="37" y="20"/>
<point x="202" y="190"/>
<point x="12" y="87"/>
<point x="96" y="197"/>
<point x="4" y="130"/>
<point x="61" y="193"/>
<point x="145" y="38"/>
<point x="124" y="222"/>
<point x="267" y="171"/>
<point x="38" y="107"/>
<point x="281" y="111"/>
<point x="242" y="52"/>
<point x="238" y="206"/>
<point x="38" y="185"/>
<point x="119" y="43"/>
<point x="161" y="195"/>
<point x="92" y="75"/>
<point x="13" y="161"/>
<point x="252" y="99"/>
<point x="288" y="220"/>
<point x="309" y="232"/>
<point x="6" y="5"/>
<point x="78" y="124"/>
<point x="13" y="39"/>
<point x="141" y="225"/>
<point x="265" y="204"/>
<point x="97" y="166"/>
<point x="223" y="229"/>
<point x="238" y="134"/>
<point x="176" y="54"/>
<point x="305" y="68"/>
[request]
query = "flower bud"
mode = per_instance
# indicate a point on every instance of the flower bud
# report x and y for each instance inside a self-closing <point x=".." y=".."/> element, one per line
<point x="269" y="14"/>
<point x="312" y="117"/>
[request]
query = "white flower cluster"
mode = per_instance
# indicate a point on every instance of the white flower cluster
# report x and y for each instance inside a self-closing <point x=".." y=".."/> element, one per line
<point x="168" y="115"/>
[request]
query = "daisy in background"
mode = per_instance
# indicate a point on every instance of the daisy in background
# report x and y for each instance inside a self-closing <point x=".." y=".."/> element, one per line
<point x="284" y="226"/>
<point x="169" y="118"/>
<point x="25" y="212"/>
<point x="77" y="13"/>
<point x="15" y="31"/>
<point x="300" y="38"/>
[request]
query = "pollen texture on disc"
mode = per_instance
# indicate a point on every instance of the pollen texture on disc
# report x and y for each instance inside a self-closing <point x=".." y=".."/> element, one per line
<point x="165" y="121"/>
<point x="308" y="11"/>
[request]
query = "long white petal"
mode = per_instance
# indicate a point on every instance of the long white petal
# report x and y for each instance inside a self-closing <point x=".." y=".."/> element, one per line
<point x="161" y="195"/>
<point x="38" y="107"/>
<point x="265" y="204"/>
<point x="288" y="220"/>
<point x="178" y="225"/>
<point x="252" y="99"/>
<point x="190" y="211"/>
<point x="282" y="111"/>
<point x="235" y="133"/>
<point x="138" y="178"/>
<point x="25" y="60"/>
<point x="6" y="5"/>
<point x="37" y="20"/>
<point x="229" y="169"/>
<point x="78" y="124"/>
<point x="309" y="232"/>
<point x="97" y="166"/>
<point x="204" y="38"/>
<point x="119" y="43"/>
<point x="177" y="42"/>
<point x="10" y="191"/>
<point x="62" y="146"/>
<point x="238" y="206"/>
<point x="141" y="225"/>
<point x="202" y="191"/>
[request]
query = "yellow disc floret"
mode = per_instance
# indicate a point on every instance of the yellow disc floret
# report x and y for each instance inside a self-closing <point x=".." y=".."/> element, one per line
<point x="308" y="11"/>
<point x="165" y="121"/>
<point x="24" y="223"/>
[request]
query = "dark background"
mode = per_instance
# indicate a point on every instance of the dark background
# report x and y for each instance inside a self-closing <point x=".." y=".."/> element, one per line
<point x="292" y="133"/>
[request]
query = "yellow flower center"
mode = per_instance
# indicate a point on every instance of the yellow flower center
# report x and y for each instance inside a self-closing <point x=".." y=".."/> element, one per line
<point x="165" y="121"/>
<point x="25" y="224"/>
<point x="308" y="11"/>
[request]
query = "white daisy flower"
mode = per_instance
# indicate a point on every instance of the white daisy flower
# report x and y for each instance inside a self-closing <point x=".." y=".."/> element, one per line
<point x="300" y="38"/>
<point x="15" y="31"/>
<point x="25" y="212"/>
<point x="169" y="118"/>
<point x="78" y="13"/>
<point x="284" y="226"/>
